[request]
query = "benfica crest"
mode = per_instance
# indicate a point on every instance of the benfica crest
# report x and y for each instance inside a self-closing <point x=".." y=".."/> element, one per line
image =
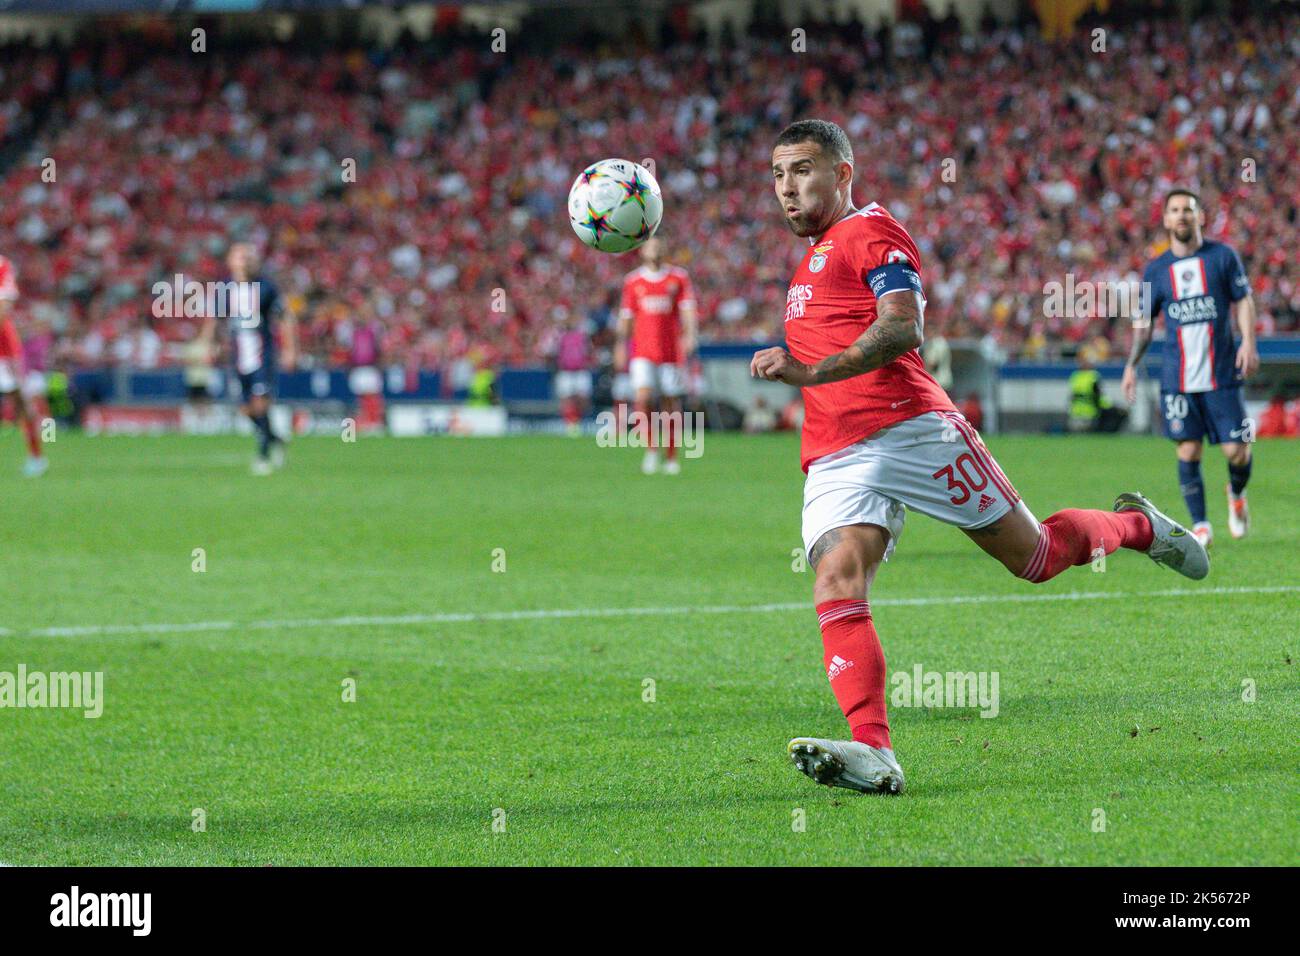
<point x="818" y="262"/>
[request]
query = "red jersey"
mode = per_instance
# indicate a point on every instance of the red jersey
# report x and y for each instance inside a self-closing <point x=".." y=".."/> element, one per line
<point x="11" y="347"/>
<point x="831" y="302"/>
<point x="655" y="300"/>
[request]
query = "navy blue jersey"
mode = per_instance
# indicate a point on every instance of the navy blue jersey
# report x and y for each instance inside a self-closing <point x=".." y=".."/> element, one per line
<point x="1195" y="293"/>
<point x="251" y="310"/>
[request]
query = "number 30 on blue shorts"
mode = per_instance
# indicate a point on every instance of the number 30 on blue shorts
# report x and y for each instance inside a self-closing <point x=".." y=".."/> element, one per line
<point x="1217" y="417"/>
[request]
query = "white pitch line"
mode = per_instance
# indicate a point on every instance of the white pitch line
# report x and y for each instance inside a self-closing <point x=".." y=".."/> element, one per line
<point x="561" y="613"/>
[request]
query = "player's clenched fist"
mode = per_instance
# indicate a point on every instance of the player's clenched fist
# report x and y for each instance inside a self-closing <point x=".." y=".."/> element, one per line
<point x="778" y="365"/>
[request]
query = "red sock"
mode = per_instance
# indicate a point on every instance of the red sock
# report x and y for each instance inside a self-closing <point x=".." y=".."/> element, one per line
<point x="855" y="664"/>
<point x="33" y="436"/>
<point x="1074" y="535"/>
<point x="671" y="452"/>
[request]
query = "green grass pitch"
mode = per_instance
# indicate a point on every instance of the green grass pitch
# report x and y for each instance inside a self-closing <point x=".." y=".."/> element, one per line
<point x="528" y="739"/>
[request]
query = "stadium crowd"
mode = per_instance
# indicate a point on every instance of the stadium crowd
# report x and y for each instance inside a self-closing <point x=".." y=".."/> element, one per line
<point x="1013" y="162"/>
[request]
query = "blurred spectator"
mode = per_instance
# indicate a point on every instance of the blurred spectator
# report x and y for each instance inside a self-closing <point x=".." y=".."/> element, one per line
<point x="792" y="414"/>
<point x="198" y="373"/>
<point x="572" y="363"/>
<point x="938" y="358"/>
<point x="453" y="237"/>
<point x="1086" y="398"/>
<point x="1281" y="419"/>
<point x="759" y="417"/>
<point x="972" y="410"/>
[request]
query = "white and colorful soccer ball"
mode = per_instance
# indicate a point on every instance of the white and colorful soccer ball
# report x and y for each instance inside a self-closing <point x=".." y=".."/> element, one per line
<point x="615" y="205"/>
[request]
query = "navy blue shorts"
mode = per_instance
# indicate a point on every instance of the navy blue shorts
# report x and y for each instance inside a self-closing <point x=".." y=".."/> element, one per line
<point x="1217" y="417"/>
<point x="259" y="382"/>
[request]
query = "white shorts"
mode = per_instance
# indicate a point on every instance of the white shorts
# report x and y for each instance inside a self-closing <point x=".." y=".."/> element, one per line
<point x="8" y="376"/>
<point x="571" y="383"/>
<point x="934" y="463"/>
<point x="669" y="381"/>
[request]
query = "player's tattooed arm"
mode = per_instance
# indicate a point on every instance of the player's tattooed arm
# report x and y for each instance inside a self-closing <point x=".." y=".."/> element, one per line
<point x="897" y="330"/>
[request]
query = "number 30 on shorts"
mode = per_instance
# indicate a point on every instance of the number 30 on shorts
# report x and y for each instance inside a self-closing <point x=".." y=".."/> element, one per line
<point x="965" y="465"/>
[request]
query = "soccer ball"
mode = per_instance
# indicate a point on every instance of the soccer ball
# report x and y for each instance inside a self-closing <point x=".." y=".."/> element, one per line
<point x="615" y="205"/>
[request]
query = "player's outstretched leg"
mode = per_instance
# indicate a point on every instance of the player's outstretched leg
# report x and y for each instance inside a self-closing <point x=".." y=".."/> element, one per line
<point x="1076" y="536"/>
<point x="846" y="560"/>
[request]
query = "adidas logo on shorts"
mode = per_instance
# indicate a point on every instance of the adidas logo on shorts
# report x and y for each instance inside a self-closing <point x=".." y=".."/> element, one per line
<point x="985" y="501"/>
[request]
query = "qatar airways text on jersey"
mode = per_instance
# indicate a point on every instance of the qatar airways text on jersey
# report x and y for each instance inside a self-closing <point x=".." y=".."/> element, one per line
<point x="1195" y="294"/>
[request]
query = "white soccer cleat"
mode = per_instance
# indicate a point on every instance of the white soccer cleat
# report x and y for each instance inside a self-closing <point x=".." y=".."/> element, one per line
<point x="261" y="467"/>
<point x="35" y="467"/>
<point x="650" y="463"/>
<point x="672" y="467"/>
<point x="1204" y="533"/>
<point x="1172" y="545"/>
<point x="848" y="764"/>
<point x="1238" y="514"/>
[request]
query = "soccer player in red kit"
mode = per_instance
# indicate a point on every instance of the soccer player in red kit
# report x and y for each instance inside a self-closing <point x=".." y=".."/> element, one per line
<point x="658" y="310"/>
<point x="11" y="372"/>
<point x="880" y="436"/>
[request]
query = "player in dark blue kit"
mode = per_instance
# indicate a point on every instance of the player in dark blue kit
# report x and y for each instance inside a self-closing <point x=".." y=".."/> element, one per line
<point x="252" y="309"/>
<point x="1201" y="287"/>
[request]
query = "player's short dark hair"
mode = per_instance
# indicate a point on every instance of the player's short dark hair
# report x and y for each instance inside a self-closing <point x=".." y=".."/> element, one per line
<point x="830" y="137"/>
<point x="1181" y="192"/>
